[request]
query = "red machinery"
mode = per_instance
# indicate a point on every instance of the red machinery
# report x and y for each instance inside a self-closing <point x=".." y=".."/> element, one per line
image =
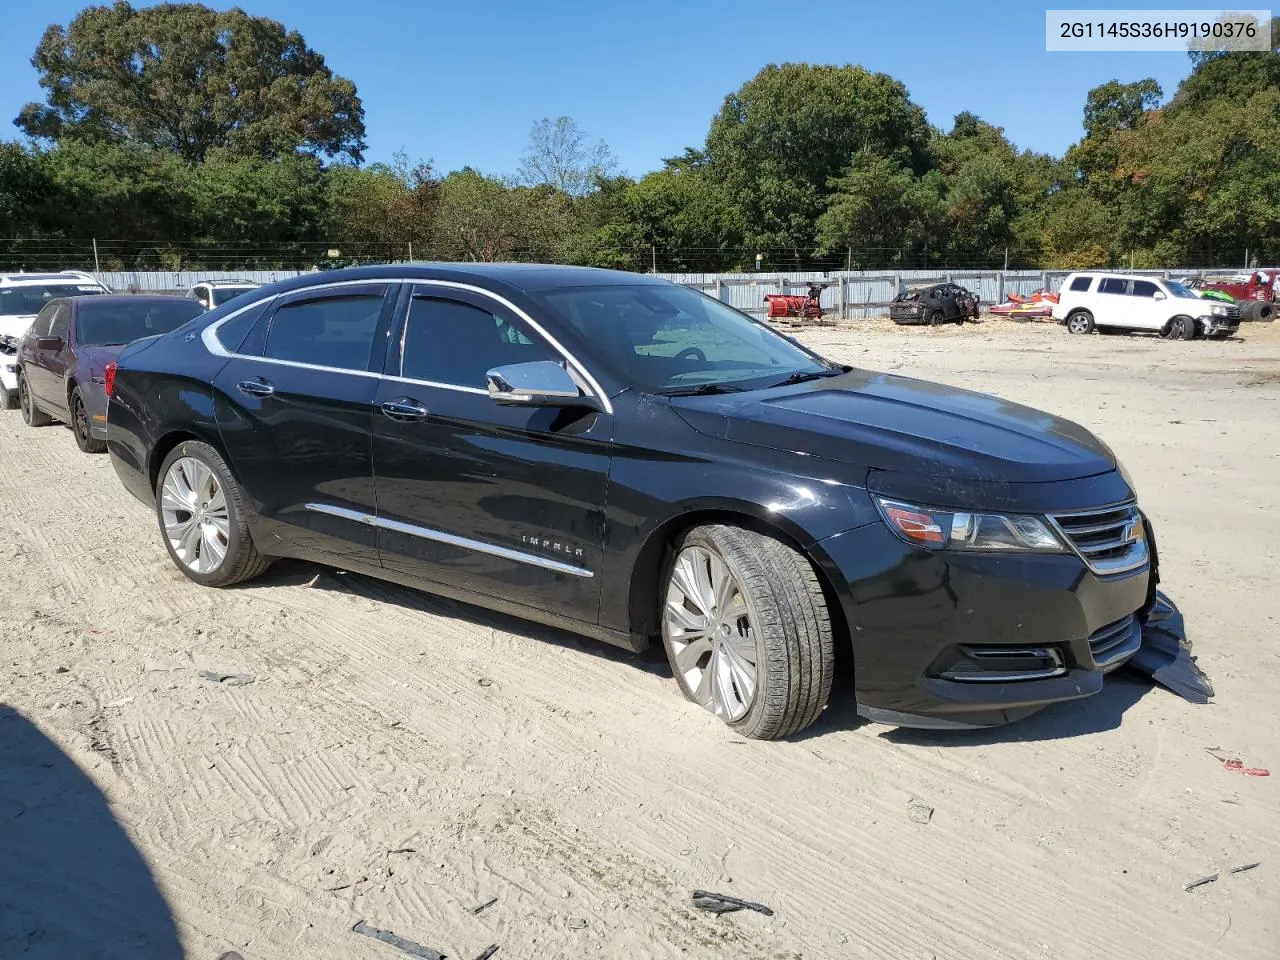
<point x="788" y="305"/>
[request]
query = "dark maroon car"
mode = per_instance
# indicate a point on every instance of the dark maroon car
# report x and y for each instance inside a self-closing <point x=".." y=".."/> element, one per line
<point x="62" y="361"/>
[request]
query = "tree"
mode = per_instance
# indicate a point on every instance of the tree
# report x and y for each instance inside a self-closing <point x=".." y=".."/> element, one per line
<point x="482" y="218"/>
<point x="880" y="208"/>
<point x="1115" y="106"/>
<point x="184" y="78"/>
<point x="560" y="156"/>
<point x="780" y="138"/>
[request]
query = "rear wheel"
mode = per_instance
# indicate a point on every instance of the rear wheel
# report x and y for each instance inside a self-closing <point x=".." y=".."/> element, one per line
<point x="32" y="415"/>
<point x="746" y="631"/>
<point x="937" y="318"/>
<point x="85" y="439"/>
<point x="1080" y="322"/>
<point x="199" y="508"/>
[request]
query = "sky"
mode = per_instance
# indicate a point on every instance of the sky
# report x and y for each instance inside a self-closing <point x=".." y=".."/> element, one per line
<point x="462" y="83"/>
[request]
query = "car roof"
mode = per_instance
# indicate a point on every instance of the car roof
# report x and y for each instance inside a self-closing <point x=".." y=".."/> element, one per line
<point x="110" y="298"/>
<point x="226" y="283"/>
<point x="522" y="277"/>
<point x="69" y="277"/>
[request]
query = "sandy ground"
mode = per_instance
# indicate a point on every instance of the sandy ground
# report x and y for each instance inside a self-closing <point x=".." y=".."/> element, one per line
<point x="401" y="759"/>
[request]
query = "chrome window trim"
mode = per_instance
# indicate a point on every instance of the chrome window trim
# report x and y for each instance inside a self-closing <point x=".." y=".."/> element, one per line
<point x="438" y="536"/>
<point x="209" y="337"/>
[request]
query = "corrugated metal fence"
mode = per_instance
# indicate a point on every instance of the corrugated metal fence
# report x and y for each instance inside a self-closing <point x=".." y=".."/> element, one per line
<point x="864" y="293"/>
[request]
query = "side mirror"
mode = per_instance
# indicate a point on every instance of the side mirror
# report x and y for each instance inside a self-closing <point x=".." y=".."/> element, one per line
<point x="539" y="383"/>
<point x="1160" y="295"/>
<point x="48" y="343"/>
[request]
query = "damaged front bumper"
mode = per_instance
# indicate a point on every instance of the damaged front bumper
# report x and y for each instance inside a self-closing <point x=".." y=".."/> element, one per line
<point x="1211" y="326"/>
<point x="962" y="641"/>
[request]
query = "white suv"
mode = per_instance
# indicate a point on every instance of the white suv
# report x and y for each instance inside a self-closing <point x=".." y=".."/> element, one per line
<point x="214" y="293"/>
<point x="22" y="296"/>
<point x="1118" y="301"/>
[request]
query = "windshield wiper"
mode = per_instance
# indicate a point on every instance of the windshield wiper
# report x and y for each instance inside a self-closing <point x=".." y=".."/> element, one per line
<point x="702" y="390"/>
<point x="804" y="376"/>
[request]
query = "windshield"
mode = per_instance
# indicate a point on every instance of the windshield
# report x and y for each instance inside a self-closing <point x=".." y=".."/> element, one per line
<point x="222" y="294"/>
<point x="1178" y="290"/>
<point x="116" y="323"/>
<point x="29" y="299"/>
<point x="669" y="338"/>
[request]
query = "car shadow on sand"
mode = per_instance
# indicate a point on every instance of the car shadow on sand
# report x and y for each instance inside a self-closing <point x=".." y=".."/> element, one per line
<point x="1103" y="711"/>
<point x="72" y="884"/>
<point x="301" y="573"/>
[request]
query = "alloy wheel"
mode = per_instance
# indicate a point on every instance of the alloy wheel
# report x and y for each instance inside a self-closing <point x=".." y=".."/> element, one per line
<point x="194" y="509"/>
<point x="708" y="625"/>
<point x="1078" y="324"/>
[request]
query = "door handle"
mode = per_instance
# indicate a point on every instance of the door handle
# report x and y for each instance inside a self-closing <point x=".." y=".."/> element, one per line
<point x="255" y="388"/>
<point x="404" y="410"/>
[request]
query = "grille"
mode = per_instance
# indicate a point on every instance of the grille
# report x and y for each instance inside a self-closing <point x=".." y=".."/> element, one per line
<point x="1115" y="641"/>
<point x="1109" y="539"/>
<point x="1233" y="312"/>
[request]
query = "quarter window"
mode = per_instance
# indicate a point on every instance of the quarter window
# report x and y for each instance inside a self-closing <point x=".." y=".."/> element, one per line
<point x="455" y="343"/>
<point x="1081" y="284"/>
<point x="232" y="334"/>
<point x="331" y="332"/>
<point x="1143" y="288"/>
<point x="1113" y="285"/>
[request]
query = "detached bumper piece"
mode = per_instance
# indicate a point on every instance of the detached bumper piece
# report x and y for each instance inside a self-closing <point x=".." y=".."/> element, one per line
<point x="1165" y="654"/>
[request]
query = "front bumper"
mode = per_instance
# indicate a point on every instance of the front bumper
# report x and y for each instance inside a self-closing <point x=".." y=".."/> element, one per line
<point x="967" y="639"/>
<point x="1212" y="326"/>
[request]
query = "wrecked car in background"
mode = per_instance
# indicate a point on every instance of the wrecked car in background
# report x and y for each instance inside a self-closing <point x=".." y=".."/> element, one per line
<point x="934" y="304"/>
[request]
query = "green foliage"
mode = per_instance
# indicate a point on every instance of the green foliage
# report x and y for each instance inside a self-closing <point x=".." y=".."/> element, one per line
<point x="781" y="138"/>
<point x="809" y="165"/>
<point x="191" y="80"/>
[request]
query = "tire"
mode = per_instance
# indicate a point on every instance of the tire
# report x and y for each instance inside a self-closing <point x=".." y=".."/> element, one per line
<point x="195" y="473"/>
<point x="780" y="617"/>
<point x="32" y="415"/>
<point x="1258" y="311"/>
<point x="937" y="318"/>
<point x="10" y="399"/>
<point x="1182" y="328"/>
<point x="1080" y="322"/>
<point x="85" y="439"/>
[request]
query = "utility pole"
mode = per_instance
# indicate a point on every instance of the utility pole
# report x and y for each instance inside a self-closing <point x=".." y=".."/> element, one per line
<point x="96" y="267"/>
<point x="653" y="253"/>
<point x="411" y="251"/>
<point x="848" y="259"/>
<point x="1006" y="258"/>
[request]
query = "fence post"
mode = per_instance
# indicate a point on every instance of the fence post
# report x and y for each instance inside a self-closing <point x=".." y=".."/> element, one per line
<point x="843" y="280"/>
<point x="1000" y="286"/>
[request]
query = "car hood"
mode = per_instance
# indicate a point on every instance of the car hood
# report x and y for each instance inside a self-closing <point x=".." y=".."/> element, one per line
<point x="898" y="424"/>
<point x="16" y="326"/>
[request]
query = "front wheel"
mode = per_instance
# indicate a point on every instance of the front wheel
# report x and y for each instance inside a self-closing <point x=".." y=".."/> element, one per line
<point x="199" y="507"/>
<point x="85" y="439"/>
<point x="746" y="630"/>
<point x="1179" y="328"/>
<point x="1080" y="322"/>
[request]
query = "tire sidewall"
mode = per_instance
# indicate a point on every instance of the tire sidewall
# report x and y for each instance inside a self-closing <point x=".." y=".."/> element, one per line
<point x="26" y="402"/>
<point x="85" y="441"/>
<point x="1085" y="318"/>
<point x="704" y="537"/>
<point x="235" y="543"/>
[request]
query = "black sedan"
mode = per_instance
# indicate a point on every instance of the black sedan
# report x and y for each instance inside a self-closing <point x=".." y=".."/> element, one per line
<point x="63" y="358"/>
<point x="934" y="304"/>
<point x="629" y="459"/>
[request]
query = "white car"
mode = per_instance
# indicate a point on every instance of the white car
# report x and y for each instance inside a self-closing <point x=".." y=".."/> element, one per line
<point x="22" y="296"/>
<point x="1117" y="301"/>
<point x="214" y="293"/>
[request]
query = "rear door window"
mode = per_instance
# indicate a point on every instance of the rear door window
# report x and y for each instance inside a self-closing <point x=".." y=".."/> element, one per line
<point x="335" y="331"/>
<point x="1113" y="285"/>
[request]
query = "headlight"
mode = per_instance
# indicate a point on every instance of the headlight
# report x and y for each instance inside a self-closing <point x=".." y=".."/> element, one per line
<point x="1218" y="310"/>
<point x="956" y="530"/>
